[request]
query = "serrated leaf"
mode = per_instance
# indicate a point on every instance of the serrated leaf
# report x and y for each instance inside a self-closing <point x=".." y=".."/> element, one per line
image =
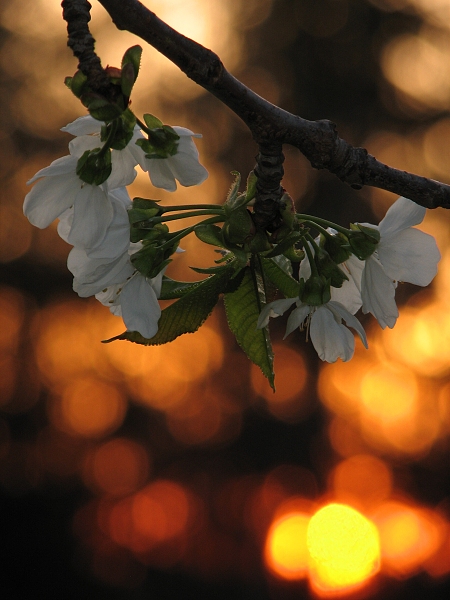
<point x="287" y="285"/>
<point x="242" y="308"/>
<point x="172" y="289"/>
<point x="187" y="314"/>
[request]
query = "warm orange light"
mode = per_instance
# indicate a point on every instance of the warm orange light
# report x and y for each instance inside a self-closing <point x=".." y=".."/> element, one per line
<point x="408" y="536"/>
<point x="421" y="339"/>
<point x="89" y="407"/>
<point x="289" y="401"/>
<point x="286" y="553"/>
<point x="344" y="549"/>
<point x="118" y="467"/>
<point x="362" y="480"/>
<point x="388" y="394"/>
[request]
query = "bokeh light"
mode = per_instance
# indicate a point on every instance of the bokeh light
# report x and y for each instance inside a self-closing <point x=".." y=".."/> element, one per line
<point x="286" y="552"/>
<point x="344" y="549"/>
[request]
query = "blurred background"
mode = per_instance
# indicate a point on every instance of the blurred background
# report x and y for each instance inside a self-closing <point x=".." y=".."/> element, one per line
<point x="174" y="472"/>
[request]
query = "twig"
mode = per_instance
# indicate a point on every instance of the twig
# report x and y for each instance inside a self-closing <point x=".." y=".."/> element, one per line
<point x="270" y="125"/>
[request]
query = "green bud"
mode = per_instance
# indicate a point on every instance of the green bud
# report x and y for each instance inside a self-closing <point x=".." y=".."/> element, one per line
<point x="315" y="291"/>
<point x="337" y="247"/>
<point x="288" y="212"/>
<point x="152" y="122"/>
<point x="258" y="243"/>
<point x="238" y="227"/>
<point x="77" y="84"/>
<point x="329" y="269"/>
<point x="251" y="186"/>
<point x="127" y="79"/>
<point x="363" y="240"/>
<point x="94" y="166"/>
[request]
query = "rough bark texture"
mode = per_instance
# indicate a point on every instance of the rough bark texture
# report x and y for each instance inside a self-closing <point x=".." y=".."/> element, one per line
<point x="270" y="125"/>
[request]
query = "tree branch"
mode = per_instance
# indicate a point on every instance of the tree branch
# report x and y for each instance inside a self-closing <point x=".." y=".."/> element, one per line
<point x="269" y="124"/>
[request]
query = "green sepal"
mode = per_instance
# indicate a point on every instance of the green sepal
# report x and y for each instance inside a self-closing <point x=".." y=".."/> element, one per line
<point x="146" y="203"/>
<point x="187" y="314"/>
<point x="232" y="193"/>
<point x="238" y="227"/>
<point x="152" y="122"/>
<point x="100" y="108"/>
<point x="286" y="243"/>
<point x="259" y="242"/>
<point x="77" y="84"/>
<point x="363" y="240"/>
<point x="123" y="130"/>
<point x="250" y="192"/>
<point x="329" y="269"/>
<point x="210" y="234"/>
<point x="315" y="291"/>
<point x="243" y="307"/>
<point x="337" y="247"/>
<point x="288" y="286"/>
<point x="94" y="166"/>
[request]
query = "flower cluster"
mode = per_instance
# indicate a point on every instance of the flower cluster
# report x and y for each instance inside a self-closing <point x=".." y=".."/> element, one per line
<point x="358" y="268"/>
<point x="86" y="191"/>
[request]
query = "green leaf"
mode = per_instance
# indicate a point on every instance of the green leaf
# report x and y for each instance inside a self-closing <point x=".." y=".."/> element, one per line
<point x="242" y="308"/>
<point x="287" y="285"/>
<point x="287" y="242"/>
<point x="187" y="314"/>
<point x="133" y="56"/>
<point x="172" y="289"/>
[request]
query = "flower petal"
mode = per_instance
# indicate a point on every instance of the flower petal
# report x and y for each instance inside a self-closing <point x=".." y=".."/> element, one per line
<point x="297" y="318"/>
<point x="274" y="309"/>
<point x="92" y="214"/>
<point x="378" y="293"/>
<point x="331" y="339"/>
<point x="341" y="312"/>
<point x="402" y="214"/>
<point x="93" y="275"/>
<point x="140" y="306"/>
<point x="50" y="197"/>
<point x="411" y="256"/>
<point x="83" y="126"/>
<point x="60" y="166"/>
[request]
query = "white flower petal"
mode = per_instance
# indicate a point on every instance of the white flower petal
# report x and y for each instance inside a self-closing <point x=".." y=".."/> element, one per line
<point x="160" y="174"/>
<point x="402" y="214"/>
<point x="140" y="306"/>
<point x="83" y="126"/>
<point x="60" y="166"/>
<point x="378" y="293"/>
<point x="274" y="309"/>
<point x="116" y="240"/>
<point x="297" y="318"/>
<point x="79" y="145"/>
<point x="93" y="275"/>
<point x="92" y="214"/>
<point x="123" y="172"/>
<point x="410" y="256"/>
<point x="331" y="339"/>
<point x="50" y="197"/>
<point x="341" y="312"/>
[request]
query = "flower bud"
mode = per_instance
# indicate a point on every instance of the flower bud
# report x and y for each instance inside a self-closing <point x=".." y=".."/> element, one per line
<point x="238" y="227"/>
<point x="337" y="247"/>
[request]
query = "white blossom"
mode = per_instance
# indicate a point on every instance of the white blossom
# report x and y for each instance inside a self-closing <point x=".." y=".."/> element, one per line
<point x="331" y="339"/>
<point x="184" y="166"/>
<point x="58" y="189"/>
<point x="403" y="254"/>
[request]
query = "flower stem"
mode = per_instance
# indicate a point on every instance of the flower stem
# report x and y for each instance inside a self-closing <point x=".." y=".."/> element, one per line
<point x="321" y="223"/>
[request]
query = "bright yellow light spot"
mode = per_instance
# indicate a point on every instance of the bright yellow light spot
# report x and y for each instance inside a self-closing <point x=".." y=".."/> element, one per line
<point x="344" y="549"/>
<point x="286" y="552"/>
